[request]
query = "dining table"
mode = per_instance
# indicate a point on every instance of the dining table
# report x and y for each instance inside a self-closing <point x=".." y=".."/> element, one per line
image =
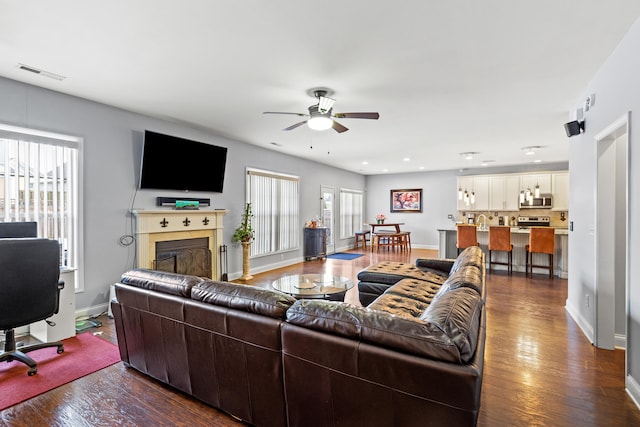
<point x="375" y="225"/>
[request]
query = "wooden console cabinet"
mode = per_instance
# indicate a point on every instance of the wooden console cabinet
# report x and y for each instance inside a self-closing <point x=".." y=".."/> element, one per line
<point x="315" y="243"/>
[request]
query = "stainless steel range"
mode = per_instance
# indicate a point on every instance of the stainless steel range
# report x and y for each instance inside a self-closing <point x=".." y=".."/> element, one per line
<point x="534" y="221"/>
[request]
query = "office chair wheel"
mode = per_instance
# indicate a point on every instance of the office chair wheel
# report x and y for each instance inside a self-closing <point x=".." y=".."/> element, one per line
<point x="32" y="371"/>
<point x="60" y="349"/>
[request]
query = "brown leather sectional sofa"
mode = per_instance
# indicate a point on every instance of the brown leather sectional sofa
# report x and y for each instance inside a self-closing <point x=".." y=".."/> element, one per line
<point x="414" y="356"/>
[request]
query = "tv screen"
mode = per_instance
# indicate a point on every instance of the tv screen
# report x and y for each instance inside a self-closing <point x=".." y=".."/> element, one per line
<point x="172" y="163"/>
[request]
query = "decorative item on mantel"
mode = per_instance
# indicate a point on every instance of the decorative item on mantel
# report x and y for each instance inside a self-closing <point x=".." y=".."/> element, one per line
<point x="380" y="218"/>
<point x="244" y="235"/>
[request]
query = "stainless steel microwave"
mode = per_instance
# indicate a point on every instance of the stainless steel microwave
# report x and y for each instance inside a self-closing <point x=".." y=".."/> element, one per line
<point x="545" y="201"/>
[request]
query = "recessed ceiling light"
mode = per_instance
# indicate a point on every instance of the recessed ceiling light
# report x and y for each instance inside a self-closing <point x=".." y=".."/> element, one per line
<point x="385" y="170"/>
<point x="406" y="159"/>
<point x="486" y="162"/>
<point x="531" y="150"/>
<point x="537" y="161"/>
<point x="365" y="163"/>
<point x="421" y="168"/>
<point x="468" y="155"/>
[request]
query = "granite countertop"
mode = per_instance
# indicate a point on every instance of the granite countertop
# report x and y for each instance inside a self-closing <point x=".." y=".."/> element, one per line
<point x="517" y="230"/>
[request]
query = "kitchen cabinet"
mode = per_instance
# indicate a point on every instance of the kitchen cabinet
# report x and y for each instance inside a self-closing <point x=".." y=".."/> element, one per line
<point x="560" y="191"/>
<point x="504" y="191"/>
<point x="479" y="185"/>
<point x="532" y="179"/>
<point x="315" y="243"/>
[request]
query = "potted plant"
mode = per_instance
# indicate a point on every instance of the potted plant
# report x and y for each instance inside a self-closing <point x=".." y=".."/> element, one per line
<point x="380" y="218"/>
<point x="244" y="235"/>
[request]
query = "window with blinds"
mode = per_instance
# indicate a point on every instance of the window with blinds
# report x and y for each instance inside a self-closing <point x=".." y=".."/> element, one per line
<point x="39" y="182"/>
<point x="275" y="202"/>
<point x="351" y="207"/>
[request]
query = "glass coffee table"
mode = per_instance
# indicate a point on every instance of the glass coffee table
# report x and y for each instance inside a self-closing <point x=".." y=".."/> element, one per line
<point x="313" y="285"/>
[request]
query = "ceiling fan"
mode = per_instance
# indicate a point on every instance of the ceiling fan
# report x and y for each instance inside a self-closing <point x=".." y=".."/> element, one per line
<point x="320" y="116"/>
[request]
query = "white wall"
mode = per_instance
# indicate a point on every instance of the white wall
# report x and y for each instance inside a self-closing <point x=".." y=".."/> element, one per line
<point x="616" y="87"/>
<point x="113" y="143"/>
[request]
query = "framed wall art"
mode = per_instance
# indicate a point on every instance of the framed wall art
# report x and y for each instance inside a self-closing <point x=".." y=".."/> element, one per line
<point x="406" y="200"/>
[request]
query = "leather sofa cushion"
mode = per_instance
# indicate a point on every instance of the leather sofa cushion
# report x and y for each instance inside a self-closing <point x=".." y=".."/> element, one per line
<point x="243" y="297"/>
<point x="436" y="265"/>
<point x="160" y="281"/>
<point x="414" y="336"/>
<point x="418" y="290"/>
<point x="457" y="313"/>
<point x="399" y="305"/>
<point x="467" y="276"/>
<point x="473" y="256"/>
<point x="389" y="273"/>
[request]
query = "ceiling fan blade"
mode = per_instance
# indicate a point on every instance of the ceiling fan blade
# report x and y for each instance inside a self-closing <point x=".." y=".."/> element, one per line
<point x="295" y="126"/>
<point x="339" y="128"/>
<point x="280" y="112"/>
<point x="374" y="116"/>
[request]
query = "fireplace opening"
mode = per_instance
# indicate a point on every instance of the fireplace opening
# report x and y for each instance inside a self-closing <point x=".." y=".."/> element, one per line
<point x="184" y="256"/>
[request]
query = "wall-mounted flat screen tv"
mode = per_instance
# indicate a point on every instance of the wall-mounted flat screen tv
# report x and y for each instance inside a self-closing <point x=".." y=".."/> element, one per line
<point x="172" y="163"/>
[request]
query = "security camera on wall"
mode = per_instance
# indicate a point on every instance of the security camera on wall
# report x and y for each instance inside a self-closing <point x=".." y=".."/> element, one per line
<point x="574" y="127"/>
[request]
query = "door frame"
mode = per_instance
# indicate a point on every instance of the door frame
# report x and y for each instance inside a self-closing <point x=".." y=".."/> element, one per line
<point x="606" y="161"/>
<point x="331" y="226"/>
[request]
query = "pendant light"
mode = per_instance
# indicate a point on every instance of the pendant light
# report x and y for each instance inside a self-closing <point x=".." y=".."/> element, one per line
<point x="521" y="197"/>
<point x="473" y="198"/>
<point x="460" y="193"/>
<point x="536" y="191"/>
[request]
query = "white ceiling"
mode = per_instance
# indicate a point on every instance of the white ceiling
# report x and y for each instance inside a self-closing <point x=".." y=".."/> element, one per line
<point x="447" y="77"/>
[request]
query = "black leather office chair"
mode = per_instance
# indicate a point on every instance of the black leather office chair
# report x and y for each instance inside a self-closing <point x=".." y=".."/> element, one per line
<point x="29" y="291"/>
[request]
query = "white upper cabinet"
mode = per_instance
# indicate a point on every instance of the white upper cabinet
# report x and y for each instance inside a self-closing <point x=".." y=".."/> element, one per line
<point x="504" y="191"/>
<point x="531" y="180"/>
<point x="560" y="191"/>
<point x="478" y="186"/>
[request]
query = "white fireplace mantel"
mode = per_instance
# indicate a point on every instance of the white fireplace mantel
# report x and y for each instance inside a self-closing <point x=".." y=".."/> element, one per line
<point x="160" y="225"/>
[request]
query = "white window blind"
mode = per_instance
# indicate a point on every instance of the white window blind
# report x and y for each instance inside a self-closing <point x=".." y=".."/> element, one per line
<point x="275" y="202"/>
<point x="39" y="182"/>
<point x="351" y="206"/>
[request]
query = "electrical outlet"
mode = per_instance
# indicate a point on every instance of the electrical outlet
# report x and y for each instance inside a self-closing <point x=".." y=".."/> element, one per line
<point x="450" y="216"/>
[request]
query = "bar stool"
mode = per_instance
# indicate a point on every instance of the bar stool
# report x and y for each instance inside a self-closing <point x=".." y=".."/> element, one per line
<point x="500" y="240"/>
<point x="361" y="238"/>
<point x="467" y="236"/>
<point x="541" y="241"/>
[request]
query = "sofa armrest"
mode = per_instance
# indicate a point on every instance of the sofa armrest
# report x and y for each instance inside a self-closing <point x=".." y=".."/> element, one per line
<point x="442" y="265"/>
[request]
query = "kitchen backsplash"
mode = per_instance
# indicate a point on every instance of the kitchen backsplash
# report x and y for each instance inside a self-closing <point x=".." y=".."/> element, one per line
<point x="492" y="216"/>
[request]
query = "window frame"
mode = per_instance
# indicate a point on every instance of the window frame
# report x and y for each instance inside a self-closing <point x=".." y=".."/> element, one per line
<point x="349" y="223"/>
<point x="277" y="243"/>
<point x="36" y="136"/>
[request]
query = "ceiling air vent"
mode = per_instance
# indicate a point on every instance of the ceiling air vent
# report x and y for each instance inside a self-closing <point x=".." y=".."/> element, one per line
<point x="43" y="73"/>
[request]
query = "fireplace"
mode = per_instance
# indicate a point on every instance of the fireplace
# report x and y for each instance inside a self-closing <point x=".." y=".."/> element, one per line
<point x="185" y="242"/>
<point x="184" y="256"/>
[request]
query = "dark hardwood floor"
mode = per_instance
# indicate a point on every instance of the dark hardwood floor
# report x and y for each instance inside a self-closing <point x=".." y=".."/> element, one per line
<point x="540" y="370"/>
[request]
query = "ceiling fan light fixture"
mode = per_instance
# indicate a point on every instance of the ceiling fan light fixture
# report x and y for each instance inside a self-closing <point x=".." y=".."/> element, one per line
<point x="320" y="123"/>
<point x="325" y="104"/>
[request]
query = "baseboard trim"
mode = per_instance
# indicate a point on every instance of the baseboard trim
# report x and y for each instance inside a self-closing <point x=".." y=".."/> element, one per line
<point x="633" y="390"/>
<point x="621" y="341"/>
<point x="582" y="323"/>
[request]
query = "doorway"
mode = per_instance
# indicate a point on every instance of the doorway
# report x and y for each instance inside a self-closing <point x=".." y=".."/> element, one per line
<point x="612" y="245"/>
<point x="327" y="212"/>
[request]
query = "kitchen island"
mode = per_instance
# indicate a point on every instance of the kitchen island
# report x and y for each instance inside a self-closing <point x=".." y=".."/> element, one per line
<point x="519" y="238"/>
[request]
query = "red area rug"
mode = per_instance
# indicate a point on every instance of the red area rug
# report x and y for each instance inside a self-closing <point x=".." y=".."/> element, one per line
<point x="83" y="355"/>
